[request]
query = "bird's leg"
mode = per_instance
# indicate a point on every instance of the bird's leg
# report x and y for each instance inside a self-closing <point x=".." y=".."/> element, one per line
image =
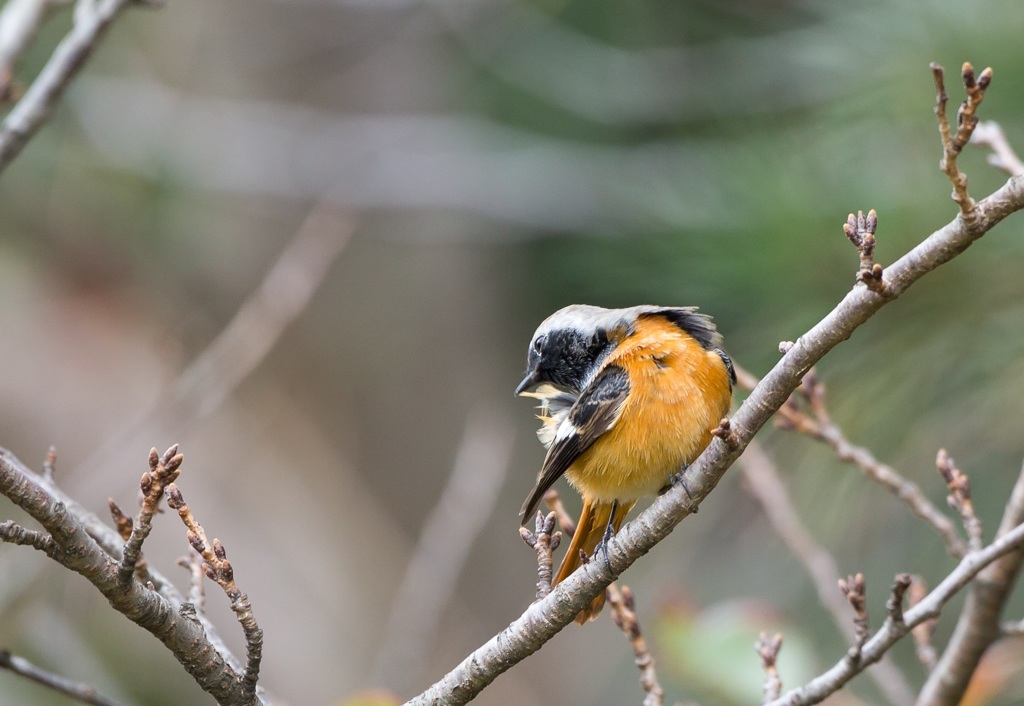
<point x="609" y="532"/>
<point x="680" y="479"/>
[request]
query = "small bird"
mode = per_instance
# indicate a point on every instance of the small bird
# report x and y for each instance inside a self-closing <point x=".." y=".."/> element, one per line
<point x="628" y="399"/>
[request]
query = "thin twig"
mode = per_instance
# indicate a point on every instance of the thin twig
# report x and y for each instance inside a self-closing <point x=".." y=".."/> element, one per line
<point x="765" y="484"/>
<point x="92" y="19"/>
<point x="219" y="570"/>
<point x="966" y="120"/>
<point x="853" y="588"/>
<point x="1012" y="628"/>
<point x="988" y="133"/>
<point x="930" y="607"/>
<point x="482" y="462"/>
<point x="50" y="463"/>
<point x="544" y="541"/>
<point x="894" y="606"/>
<point x="818" y="425"/>
<point x="79" y="691"/>
<point x="767" y="649"/>
<point x="959" y="498"/>
<point x="194" y="564"/>
<point x="246" y="340"/>
<point x="163" y="470"/>
<point x="623" y="613"/>
<point x="13" y="533"/>
<point x="860" y="229"/>
<point x="554" y="503"/>
<point x="923" y="646"/>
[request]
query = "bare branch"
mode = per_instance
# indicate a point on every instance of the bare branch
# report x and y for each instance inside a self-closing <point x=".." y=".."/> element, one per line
<point x="891" y="632"/>
<point x="959" y="498"/>
<point x="764" y="483"/>
<point x="966" y="120"/>
<point x="219" y="570"/>
<point x="162" y="472"/>
<point x="78" y="691"/>
<point x="544" y="541"/>
<point x="894" y="606"/>
<point x="923" y="646"/>
<point x="768" y="650"/>
<point x="481" y="465"/>
<point x="13" y="533"/>
<point x="50" y="463"/>
<point x="183" y="635"/>
<point x="988" y="133"/>
<point x="555" y="505"/>
<point x="978" y="625"/>
<point x="853" y="588"/>
<point x="1012" y="629"/>
<point x="819" y="425"/>
<point x="860" y="229"/>
<point x="245" y="341"/>
<point x="33" y="110"/>
<point x="623" y="612"/>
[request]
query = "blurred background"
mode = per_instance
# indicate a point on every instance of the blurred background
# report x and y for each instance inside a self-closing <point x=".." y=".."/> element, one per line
<point x="424" y="182"/>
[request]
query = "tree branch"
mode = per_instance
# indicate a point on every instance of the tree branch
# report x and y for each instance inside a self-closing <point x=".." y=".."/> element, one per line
<point x="544" y="619"/>
<point x="80" y="552"/>
<point x="988" y="133"/>
<point x="892" y="631"/>
<point x="764" y="483"/>
<point x="623" y="613"/>
<point x="33" y="110"/>
<point x="818" y="425"/>
<point x="78" y="691"/>
<point x="978" y="626"/>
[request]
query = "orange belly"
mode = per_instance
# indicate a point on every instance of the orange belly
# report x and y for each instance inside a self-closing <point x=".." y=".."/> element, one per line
<point x="679" y="392"/>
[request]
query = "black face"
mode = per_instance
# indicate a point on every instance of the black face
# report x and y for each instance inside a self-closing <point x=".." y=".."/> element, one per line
<point x="563" y="358"/>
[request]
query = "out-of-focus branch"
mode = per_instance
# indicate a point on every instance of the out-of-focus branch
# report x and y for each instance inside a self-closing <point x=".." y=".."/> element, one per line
<point x="767" y="649"/>
<point x="892" y="631"/>
<point x="763" y="482"/>
<point x="923" y="646"/>
<point x="853" y="587"/>
<point x="78" y="691"/>
<point x="449" y="532"/>
<point x="239" y="348"/>
<point x="284" y="294"/>
<point x="819" y="425"/>
<point x="978" y="626"/>
<point x="1012" y="629"/>
<point x="73" y="535"/>
<point x="623" y="612"/>
<point x="988" y="133"/>
<point x="92" y="19"/>
<point x="959" y="498"/>
<point x="554" y="502"/>
<point x="20" y="21"/>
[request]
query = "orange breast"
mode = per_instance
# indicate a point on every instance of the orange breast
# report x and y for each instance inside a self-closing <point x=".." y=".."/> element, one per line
<point x="678" y="394"/>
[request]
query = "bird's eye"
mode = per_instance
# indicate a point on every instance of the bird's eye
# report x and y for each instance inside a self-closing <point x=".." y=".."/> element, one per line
<point x="538" y="343"/>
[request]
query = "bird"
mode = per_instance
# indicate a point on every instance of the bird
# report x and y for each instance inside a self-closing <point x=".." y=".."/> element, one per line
<point x="628" y="399"/>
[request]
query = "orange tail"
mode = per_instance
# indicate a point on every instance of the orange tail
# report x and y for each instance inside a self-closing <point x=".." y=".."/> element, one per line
<point x="589" y="533"/>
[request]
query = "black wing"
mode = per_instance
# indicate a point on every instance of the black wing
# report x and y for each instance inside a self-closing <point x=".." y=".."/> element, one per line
<point x="595" y="412"/>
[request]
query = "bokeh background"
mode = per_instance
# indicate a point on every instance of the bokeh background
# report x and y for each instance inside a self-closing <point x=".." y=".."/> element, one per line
<point x="478" y="165"/>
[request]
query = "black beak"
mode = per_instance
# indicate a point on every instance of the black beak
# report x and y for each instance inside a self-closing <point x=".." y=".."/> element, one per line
<point x="529" y="382"/>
